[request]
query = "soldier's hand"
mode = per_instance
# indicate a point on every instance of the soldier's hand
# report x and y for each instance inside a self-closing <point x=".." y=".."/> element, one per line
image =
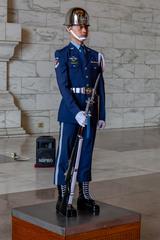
<point x="81" y="118"/>
<point x="101" y="124"/>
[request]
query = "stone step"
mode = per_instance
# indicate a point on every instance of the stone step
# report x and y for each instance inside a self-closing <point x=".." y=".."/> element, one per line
<point x="6" y="99"/>
<point x="10" y="107"/>
<point x="12" y="132"/>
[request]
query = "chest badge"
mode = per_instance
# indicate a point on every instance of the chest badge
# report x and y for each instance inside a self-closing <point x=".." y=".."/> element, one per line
<point x="73" y="60"/>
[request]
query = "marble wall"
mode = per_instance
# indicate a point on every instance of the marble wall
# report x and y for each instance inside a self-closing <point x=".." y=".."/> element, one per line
<point x="3" y="11"/>
<point x="127" y="32"/>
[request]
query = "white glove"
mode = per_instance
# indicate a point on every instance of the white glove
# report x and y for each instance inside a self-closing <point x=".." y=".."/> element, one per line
<point x="81" y="118"/>
<point x="101" y="124"/>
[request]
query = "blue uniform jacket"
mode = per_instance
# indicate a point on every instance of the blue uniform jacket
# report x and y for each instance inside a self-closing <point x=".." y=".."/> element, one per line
<point x="71" y="72"/>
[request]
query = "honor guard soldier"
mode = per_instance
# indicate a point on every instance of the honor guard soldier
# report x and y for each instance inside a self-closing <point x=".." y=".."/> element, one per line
<point x="77" y="67"/>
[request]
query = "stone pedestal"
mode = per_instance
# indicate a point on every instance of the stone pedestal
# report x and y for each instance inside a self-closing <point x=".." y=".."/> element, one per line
<point x="10" y="115"/>
<point x="41" y="221"/>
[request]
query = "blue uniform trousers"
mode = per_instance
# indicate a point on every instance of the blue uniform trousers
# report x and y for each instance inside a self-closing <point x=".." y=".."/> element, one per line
<point x="67" y="137"/>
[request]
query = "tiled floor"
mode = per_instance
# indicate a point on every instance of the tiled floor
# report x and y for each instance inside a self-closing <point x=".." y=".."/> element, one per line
<point x="126" y="173"/>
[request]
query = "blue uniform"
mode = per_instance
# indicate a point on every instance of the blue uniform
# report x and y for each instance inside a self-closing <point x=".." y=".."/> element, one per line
<point x="75" y="76"/>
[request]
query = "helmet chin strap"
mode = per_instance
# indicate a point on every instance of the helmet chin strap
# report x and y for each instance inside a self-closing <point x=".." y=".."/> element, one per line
<point x="81" y="39"/>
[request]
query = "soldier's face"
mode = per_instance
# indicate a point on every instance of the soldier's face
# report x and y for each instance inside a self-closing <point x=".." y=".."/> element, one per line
<point x="80" y="30"/>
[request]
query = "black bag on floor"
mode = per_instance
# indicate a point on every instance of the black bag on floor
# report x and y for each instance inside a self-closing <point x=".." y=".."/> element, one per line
<point x="45" y="151"/>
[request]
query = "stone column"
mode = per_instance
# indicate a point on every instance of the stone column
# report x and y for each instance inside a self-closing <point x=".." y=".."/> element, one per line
<point x="10" y="36"/>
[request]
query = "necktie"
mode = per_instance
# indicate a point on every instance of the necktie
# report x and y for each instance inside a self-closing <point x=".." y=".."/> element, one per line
<point x="82" y="54"/>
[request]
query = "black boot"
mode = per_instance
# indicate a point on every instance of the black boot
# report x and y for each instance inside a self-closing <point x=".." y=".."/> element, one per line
<point x="85" y="202"/>
<point x="62" y="206"/>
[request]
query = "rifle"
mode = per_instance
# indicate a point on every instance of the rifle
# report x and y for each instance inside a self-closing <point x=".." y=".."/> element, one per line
<point x="71" y="174"/>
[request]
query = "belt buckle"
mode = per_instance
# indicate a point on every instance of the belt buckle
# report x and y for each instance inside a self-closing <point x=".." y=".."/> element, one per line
<point x="88" y="90"/>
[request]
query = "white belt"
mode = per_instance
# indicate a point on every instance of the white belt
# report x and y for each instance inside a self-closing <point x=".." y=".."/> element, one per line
<point x="79" y="90"/>
<point x="83" y="90"/>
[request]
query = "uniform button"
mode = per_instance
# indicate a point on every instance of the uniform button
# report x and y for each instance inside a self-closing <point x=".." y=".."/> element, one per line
<point x="86" y="76"/>
<point x="85" y="68"/>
